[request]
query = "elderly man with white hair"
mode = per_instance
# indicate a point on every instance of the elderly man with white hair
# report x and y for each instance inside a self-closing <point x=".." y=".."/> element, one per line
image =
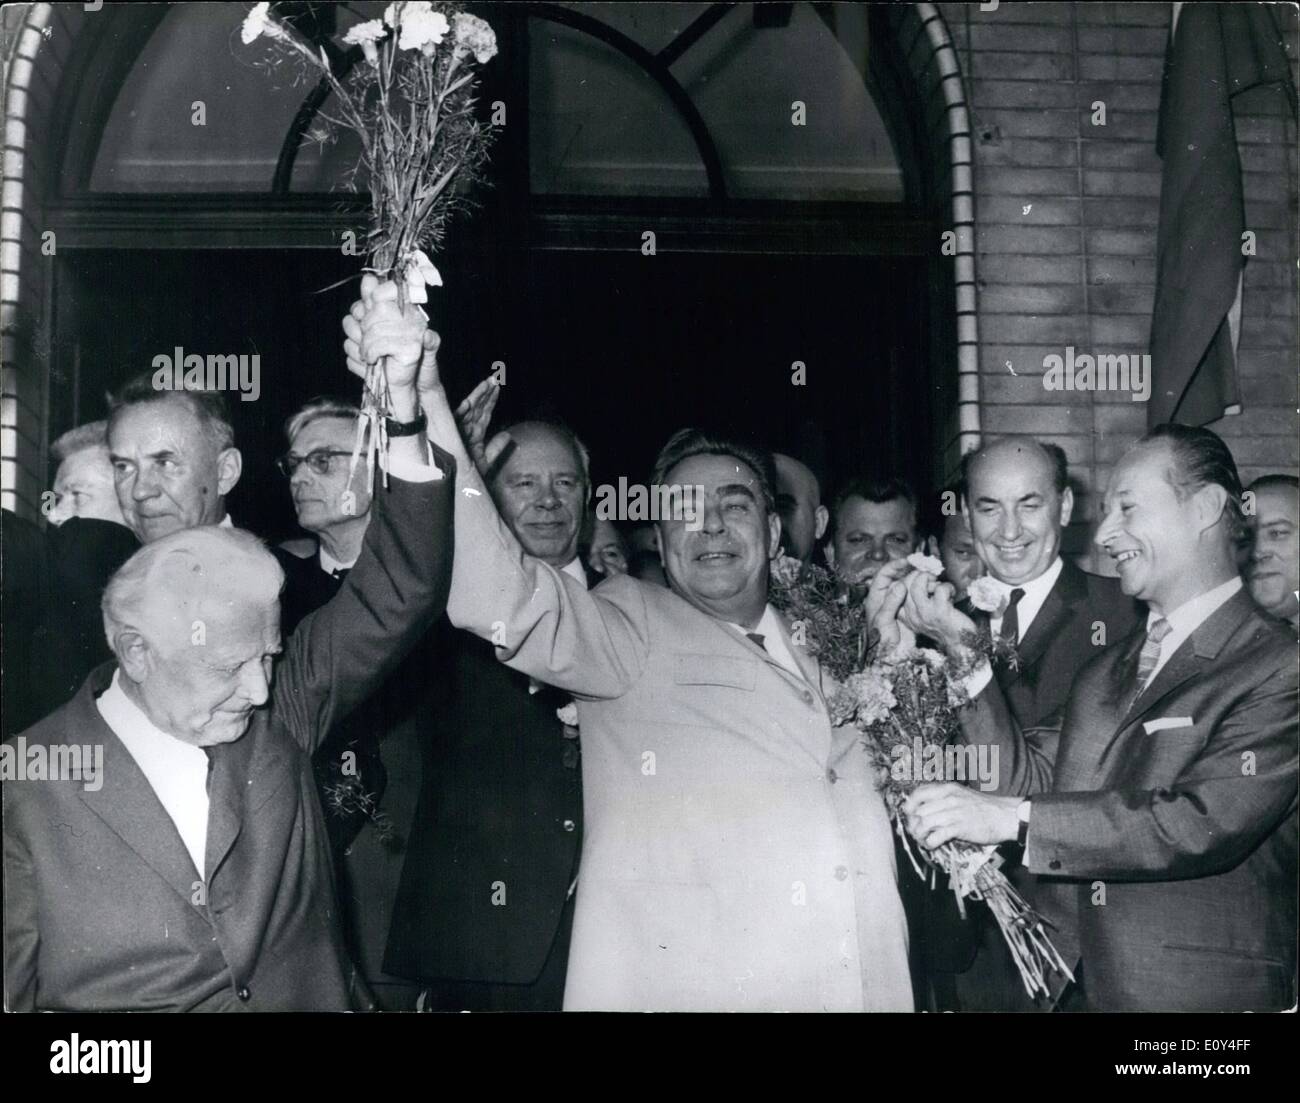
<point x="83" y="483"/>
<point x="188" y="868"/>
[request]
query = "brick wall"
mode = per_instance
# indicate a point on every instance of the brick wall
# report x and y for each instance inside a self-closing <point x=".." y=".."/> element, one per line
<point x="1066" y="215"/>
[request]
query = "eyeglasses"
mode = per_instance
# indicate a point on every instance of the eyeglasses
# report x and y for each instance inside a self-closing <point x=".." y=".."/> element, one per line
<point x="319" y="462"/>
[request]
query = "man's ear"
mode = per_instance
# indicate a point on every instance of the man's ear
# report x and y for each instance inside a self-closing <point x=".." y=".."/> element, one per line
<point x="821" y="518"/>
<point x="773" y="534"/>
<point x="1067" y="506"/>
<point x="133" y="656"/>
<point x="230" y="464"/>
<point x="1210" y="502"/>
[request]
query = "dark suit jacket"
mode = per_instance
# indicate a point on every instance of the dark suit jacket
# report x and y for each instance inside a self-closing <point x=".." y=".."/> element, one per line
<point x="1061" y="638"/>
<point x="501" y="810"/>
<point x="1182" y="809"/>
<point x="84" y="553"/>
<point x="104" y="909"/>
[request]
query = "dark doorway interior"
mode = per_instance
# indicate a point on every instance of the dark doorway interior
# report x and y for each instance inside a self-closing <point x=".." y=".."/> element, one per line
<point x="625" y="347"/>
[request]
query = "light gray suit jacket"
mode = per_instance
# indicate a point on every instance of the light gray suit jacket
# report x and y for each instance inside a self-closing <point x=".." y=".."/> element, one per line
<point x="736" y="854"/>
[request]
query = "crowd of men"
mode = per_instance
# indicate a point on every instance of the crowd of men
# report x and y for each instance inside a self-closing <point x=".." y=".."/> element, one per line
<point x="466" y="746"/>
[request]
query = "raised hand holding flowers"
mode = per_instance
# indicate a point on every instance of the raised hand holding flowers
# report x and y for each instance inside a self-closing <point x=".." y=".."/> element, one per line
<point x="412" y="105"/>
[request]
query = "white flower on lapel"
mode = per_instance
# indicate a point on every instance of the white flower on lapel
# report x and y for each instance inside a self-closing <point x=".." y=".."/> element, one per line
<point x="985" y="595"/>
<point x="568" y="714"/>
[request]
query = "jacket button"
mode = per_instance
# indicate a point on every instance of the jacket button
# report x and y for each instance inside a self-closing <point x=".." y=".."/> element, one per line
<point x="841" y="872"/>
<point x="832" y="776"/>
<point x="244" y="994"/>
<point x="807" y="697"/>
<point x="569" y="825"/>
<point x="1053" y="864"/>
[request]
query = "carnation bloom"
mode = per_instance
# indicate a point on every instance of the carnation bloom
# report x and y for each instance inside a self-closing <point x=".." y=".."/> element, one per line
<point x="568" y="714"/>
<point x="928" y="563"/>
<point x="258" y="22"/>
<point x="474" y="36"/>
<point x="985" y="595"/>
<point x="422" y="28"/>
<point x="785" y="570"/>
<point x="367" y="34"/>
<point x="873" y="695"/>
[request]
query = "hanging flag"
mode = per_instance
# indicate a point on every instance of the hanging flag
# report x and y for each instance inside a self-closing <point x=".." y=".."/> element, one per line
<point x="1214" y="52"/>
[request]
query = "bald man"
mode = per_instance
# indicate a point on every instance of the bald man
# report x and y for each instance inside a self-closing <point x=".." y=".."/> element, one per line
<point x="799" y="502"/>
<point x="170" y="853"/>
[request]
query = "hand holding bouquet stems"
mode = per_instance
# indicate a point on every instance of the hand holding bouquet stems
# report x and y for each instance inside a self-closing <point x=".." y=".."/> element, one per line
<point x="907" y="702"/>
<point x="411" y="102"/>
<point x="391" y="347"/>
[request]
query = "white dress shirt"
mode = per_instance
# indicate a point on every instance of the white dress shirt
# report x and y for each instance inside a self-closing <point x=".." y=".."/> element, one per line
<point x="769" y="627"/>
<point x="1036" y="591"/>
<point x="176" y="771"/>
<point x="1188" y="617"/>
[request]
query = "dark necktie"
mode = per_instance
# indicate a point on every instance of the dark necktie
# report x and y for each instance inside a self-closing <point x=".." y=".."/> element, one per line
<point x="1011" y="618"/>
<point x="756" y="637"/>
<point x="340" y="572"/>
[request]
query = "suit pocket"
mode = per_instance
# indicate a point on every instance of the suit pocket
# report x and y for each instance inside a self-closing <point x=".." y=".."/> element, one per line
<point x="714" y="670"/>
<point x="1168" y="723"/>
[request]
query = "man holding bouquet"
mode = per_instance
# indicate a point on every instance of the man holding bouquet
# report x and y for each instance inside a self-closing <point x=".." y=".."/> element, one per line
<point x="1160" y="815"/>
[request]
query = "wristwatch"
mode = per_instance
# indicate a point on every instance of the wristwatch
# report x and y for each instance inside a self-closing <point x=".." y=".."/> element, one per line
<point x="1022" y="813"/>
<point x="406" y="428"/>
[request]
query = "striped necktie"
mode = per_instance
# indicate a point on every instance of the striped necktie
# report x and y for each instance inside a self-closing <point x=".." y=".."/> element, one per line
<point x="1150" y="655"/>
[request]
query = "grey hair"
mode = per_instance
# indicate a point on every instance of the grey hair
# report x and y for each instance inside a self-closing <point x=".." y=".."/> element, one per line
<point x="217" y="560"/>
<point x="564" y="433"/>
<point x="210" y="407"/>
<point x="94" y="434"/>
<point x="324" y="406"/>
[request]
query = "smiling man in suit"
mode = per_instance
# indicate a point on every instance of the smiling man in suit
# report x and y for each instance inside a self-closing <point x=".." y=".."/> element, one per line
<point x="1162" y="810"/>
<point x="1019" y="502"/>
<point x="736" y="853"/>
<point x="193" y="871"/>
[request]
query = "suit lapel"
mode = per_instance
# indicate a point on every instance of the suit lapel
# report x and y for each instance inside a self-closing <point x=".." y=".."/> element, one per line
<point x="812" y="671"/>
<point x="1081" y="759"/>
<point x="1186" y="664"/>
<point x="126" y="801"/>
<point x="1068" y="590"/>
<point x="1202" y="645"/>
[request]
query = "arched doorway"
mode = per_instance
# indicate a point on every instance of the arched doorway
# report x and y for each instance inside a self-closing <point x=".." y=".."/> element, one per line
<point x="747" y="279"/>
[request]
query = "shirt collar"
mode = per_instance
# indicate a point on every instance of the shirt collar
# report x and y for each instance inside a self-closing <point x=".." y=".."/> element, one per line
<point x="1036" y="589"/>
<point x="1190" y="615"/>
<point x="128" y="720"/>
<point x="769" y="627"/>
<point x="573" y="568"/>
<point x="329" y="564"/>
<point x="226" y="522"/>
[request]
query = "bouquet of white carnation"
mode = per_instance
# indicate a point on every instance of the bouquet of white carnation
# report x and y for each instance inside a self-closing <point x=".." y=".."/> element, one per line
<point x="411" y="102"/>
